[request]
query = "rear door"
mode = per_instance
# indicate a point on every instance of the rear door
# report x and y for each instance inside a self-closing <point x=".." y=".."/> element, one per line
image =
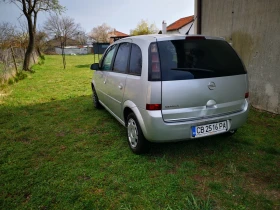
<point x="116" y="79"/>
<point x="201" y="78"/>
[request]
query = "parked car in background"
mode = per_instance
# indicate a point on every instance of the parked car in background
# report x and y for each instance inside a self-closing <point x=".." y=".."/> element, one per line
<point x="166" y="88"/>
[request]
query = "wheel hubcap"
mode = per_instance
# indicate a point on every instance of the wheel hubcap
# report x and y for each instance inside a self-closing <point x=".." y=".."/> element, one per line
<point x="132" y="133"/>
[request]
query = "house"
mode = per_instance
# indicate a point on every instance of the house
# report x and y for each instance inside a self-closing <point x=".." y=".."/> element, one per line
<point x="116" y="35"/>
<point x="75" y="50"/>
<point x="56" y="43"/>
<point x="180" y="26"/>
<point x="253" y="29"/>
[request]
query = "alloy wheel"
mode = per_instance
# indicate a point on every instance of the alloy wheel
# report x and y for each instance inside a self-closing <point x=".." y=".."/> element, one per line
<point x="132" y="132"/>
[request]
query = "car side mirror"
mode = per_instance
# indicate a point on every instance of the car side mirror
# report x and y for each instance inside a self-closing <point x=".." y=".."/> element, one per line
<point x="94" y="66"/>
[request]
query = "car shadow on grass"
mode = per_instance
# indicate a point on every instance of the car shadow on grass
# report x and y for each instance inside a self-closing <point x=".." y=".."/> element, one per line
<point x="83" y="66"/>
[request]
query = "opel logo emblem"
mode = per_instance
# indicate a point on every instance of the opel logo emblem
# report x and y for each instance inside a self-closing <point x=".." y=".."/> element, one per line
<point x="211" y="85"/>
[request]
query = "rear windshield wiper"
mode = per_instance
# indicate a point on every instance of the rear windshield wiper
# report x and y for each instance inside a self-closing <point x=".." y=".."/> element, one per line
<point x="193" y="69"/>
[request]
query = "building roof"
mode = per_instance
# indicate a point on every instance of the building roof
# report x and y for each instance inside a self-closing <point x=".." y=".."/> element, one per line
<point x="180" y="23"/>
<point x="116" y="33"/>
<point x="56" y="42"/>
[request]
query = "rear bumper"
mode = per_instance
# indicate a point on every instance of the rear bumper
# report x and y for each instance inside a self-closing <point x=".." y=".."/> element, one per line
<point x="156" y="130"/>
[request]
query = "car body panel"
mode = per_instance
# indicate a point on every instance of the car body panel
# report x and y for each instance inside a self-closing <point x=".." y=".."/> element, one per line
<point x="194" y="99"/>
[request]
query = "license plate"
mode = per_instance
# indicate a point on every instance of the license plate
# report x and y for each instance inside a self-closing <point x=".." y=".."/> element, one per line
<point x="209" y="129"/>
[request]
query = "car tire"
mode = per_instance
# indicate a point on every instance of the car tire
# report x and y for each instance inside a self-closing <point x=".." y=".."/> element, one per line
<point x="136" y="140"/>
<point x="95" y="99"/>
<point x="231" y="132"/>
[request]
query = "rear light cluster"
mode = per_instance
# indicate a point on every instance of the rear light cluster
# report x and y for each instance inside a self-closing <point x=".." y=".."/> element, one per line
<point x="154" y="63"/>
<point x="247" y="95"/>
<point x="153" y="107"/>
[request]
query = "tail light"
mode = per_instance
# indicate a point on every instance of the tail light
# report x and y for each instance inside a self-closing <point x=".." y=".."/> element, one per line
<point x="152" y="107"/>
<point x="247" y="95"/>
<point x="154" y="63"/>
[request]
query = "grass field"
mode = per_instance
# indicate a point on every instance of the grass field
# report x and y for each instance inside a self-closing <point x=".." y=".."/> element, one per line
<point x="58" y="152"/>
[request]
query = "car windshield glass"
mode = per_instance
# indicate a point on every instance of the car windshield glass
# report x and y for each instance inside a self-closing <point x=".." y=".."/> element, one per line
<point x="196" y="59"/>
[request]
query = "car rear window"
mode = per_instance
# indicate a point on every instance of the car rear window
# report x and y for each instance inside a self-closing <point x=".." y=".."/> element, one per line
<point x="197" y="59"/>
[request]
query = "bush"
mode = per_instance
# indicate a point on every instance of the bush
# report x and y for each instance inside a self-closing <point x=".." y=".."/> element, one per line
<point x="20" y="76"/>
<point x="42" y="57"/>
<point x="11" y="81"/>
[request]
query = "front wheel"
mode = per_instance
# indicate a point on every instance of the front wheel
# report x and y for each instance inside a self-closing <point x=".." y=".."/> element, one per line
<point x="136" y="140"/>
<point x="95" y="99"/>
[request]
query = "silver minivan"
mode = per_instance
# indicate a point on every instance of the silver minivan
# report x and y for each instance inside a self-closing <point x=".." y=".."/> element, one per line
<point x="166" y="88"/>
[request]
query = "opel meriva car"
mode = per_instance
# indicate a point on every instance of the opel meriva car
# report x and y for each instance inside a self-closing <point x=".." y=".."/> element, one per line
<point x="171" y="87"/>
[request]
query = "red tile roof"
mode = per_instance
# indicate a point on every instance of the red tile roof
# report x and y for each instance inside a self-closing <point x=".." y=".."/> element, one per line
<point x="117" y="33"/>
<point x="180" y="23"/>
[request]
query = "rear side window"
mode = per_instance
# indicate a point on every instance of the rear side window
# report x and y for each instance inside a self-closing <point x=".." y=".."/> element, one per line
<point x="121" y="60"/>
<point x="197" y="59"/>
<point x="135" y="64"/>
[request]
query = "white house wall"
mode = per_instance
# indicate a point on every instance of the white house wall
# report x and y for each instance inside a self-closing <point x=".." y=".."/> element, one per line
<point x="69" y="51"/>
<point x="183" y="30"/>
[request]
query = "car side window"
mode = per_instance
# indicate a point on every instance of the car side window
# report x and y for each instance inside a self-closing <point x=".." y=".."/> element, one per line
<point x="135" y="65"/>
<point x="121" y="60"/>
<point x="107" y="61"/>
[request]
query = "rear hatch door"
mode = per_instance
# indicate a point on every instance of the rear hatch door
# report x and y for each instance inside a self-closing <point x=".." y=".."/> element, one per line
<point x="201" y="78"/>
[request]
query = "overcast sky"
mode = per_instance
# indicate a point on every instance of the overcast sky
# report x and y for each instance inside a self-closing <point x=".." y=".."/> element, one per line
<point x="123" y="15"/>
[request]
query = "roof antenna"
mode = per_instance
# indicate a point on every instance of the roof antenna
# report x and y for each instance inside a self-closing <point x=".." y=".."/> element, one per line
<point x="191" y="26"/>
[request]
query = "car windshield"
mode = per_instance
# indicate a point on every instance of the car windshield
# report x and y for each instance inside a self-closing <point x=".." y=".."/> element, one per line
<point x="198" y="58"/>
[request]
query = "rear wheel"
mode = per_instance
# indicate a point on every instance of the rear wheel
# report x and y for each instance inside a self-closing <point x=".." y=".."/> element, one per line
<point x="95" y="99"/>
<point x="136" y="140"/>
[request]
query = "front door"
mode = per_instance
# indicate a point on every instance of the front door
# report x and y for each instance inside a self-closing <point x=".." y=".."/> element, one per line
<point x="101" y="76"/>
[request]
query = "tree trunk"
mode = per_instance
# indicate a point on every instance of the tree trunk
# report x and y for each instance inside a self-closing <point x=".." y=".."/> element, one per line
<point x="30" y="47"/>
<point x="63" y="55"/>
<point x="14" y="59"/>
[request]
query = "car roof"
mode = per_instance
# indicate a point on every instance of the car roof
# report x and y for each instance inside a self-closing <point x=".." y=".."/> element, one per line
<point x="164" y="37"/>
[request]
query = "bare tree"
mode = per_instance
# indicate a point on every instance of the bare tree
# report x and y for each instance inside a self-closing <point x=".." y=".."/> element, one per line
<point x="30" y="9"/>
<point x="81" y="37"/>
<point x="143" y="27"/>
<point x="62" y="28"/>
<point x="100" y="33"/>
<point x="7" y="31"/>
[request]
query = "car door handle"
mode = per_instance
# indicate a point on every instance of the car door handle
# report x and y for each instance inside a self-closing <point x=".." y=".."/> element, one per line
<point x="120" y="87"/>
<point x="104" y="82"/>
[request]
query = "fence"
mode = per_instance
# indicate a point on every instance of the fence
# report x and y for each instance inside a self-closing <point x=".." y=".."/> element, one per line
<point x="11" y="61"/>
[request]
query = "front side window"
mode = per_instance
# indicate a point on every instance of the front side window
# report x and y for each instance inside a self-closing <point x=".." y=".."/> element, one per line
<point x="107" y="61"/>
<point x="135" y="65"/>
<point x="121" y="60"/>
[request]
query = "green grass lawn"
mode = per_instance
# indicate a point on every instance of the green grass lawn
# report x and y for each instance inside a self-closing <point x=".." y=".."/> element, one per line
<point x="58" y="152"/>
